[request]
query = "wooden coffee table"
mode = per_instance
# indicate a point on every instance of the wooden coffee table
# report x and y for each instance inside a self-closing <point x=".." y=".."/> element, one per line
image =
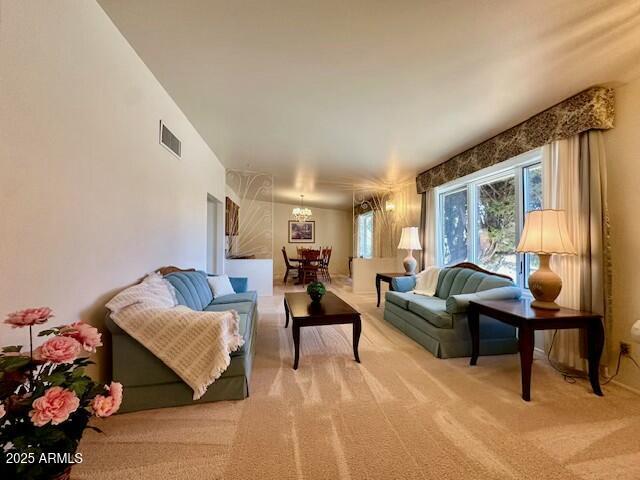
<point x="331" y="310"/>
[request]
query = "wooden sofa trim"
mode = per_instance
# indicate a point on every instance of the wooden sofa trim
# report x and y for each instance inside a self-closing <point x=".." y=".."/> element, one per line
<point x="171" y="269"/>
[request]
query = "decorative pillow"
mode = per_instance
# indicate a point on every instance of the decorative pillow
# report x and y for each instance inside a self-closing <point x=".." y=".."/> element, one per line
<point x="220" y="285"/>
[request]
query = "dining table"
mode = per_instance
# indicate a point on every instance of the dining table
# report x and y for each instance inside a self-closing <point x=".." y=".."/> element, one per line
<point x="302" y="261"/>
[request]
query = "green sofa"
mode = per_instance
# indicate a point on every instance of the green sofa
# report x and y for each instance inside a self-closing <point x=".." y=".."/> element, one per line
<point x="439" y="323"/>
<point x="149" y="383"/>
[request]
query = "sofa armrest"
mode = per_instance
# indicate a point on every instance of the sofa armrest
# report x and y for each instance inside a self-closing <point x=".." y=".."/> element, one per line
<point x="460" y="303"/>
<point x="403" y="284"/>
<point x="239" y="284"/>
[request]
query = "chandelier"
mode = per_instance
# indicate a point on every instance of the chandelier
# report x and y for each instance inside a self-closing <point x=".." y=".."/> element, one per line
<point x="301" y="214"/>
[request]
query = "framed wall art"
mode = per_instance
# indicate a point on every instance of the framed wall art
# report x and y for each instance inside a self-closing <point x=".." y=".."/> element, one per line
<point x="302" y="232"/>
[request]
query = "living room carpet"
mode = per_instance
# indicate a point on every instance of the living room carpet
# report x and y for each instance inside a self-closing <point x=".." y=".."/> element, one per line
<point x="400" y="414"/>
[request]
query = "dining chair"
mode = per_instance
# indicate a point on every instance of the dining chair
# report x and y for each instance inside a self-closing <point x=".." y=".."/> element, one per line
<point x="324" y="263"/>
<point x="287" y="264"/>
<point x="310" y="265"/>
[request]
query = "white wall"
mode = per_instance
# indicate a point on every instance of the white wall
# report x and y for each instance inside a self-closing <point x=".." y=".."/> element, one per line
<point x="215" y="235"/>
<point x="623" y="156"/>
<point x="90" y="200"/>
<point x="364" y="271"/>
<point x="258" y="271"/>
<point x="333" y="228"/>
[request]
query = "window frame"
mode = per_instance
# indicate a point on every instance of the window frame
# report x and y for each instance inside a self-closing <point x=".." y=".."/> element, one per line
<point x="515" y="166"/>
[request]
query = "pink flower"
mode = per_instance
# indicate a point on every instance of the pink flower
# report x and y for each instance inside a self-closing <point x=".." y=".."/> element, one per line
<point x="84" y="333"/>
<point x="28" y="317"/>
<point x="59" y="349"/>
<point x="3" y="412"/>
<point x="104" y="406"/>
<point x="54" y="406"/>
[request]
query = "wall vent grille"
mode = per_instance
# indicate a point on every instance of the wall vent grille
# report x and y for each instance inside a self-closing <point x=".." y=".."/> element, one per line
<point x="170" y="141"/>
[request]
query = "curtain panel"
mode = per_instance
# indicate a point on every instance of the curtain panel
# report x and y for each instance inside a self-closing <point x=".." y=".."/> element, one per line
<point x="575" y="181"/>
<point x="592" y="109"/>
<point x="428" y="229"/>
<point x="422" y="230"/>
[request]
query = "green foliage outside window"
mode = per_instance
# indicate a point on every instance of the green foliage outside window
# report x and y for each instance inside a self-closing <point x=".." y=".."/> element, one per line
<point x="497" y="225"/>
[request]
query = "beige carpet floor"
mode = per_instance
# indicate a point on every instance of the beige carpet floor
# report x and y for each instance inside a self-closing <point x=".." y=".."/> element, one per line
<point x="400" y="414"/>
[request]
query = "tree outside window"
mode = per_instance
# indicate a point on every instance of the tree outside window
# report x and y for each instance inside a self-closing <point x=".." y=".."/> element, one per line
<point x="496" y="217"/>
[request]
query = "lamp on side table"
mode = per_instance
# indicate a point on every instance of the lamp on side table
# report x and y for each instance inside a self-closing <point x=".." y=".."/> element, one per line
<point x="545" y="233"/>
<point x="409" y="241"/>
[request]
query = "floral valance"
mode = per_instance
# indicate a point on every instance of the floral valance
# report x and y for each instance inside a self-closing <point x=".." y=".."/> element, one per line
<point x="588" y="110"/>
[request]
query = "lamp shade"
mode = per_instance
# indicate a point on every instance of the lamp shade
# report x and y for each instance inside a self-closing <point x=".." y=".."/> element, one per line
<point x="545" y="232"/>
<point x="409" y="239"/>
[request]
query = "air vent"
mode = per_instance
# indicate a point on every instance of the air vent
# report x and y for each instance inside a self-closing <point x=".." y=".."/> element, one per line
<point x="170" y="141"/>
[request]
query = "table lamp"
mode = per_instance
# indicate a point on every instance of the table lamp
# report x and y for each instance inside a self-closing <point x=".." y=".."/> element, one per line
<point x="635" y="331"/>
<point x="409" y="241"/>
<point x="545" y="233"/>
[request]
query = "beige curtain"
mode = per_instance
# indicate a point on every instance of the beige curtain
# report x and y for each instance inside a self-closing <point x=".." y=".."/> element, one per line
<point x="429" y="228"/>
<point x="575" y="181"/>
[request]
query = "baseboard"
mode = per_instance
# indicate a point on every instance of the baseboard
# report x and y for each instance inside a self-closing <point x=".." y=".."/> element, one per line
<point x="626" y="387"/>
<point x="606" y="373"/>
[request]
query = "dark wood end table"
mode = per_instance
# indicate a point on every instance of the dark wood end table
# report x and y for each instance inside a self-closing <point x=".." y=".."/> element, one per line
<point x="331" y="310"/>
<point x="387" y="277"/>
<point x="521" y="315"/>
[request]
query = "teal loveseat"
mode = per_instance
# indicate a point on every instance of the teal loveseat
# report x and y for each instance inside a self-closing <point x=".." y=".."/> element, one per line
<point x="149" y="383"/>
<point x="439" y="323"/>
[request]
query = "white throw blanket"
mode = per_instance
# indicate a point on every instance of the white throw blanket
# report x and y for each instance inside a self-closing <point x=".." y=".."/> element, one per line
<point x="195" y="345"/>
<point x="427" y="281"/>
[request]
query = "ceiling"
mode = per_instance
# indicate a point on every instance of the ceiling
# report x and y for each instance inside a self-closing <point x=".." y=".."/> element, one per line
<point x="334" y="93"/>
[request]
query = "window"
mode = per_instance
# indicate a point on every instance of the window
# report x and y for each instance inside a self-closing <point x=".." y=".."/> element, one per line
<point x="480" y="217"/>
<point x="496" y="225"/>
<point x="454" y="221"/>
<point x="365" y="235"/>
<point x="532" y="201"/>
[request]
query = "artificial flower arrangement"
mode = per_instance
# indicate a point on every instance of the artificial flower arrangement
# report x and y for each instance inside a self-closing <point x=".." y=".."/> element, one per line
<point x="46" y="398"/>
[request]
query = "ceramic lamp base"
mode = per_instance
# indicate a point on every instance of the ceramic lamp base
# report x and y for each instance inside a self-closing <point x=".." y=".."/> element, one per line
<point x="410" y="263"/>
<point x="545" y="305"/>
<point x="545" y="285"/>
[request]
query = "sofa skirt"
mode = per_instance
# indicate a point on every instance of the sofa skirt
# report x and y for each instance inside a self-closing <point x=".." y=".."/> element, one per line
<point x="177" y="394"/>
<point x="496" y="338"/>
